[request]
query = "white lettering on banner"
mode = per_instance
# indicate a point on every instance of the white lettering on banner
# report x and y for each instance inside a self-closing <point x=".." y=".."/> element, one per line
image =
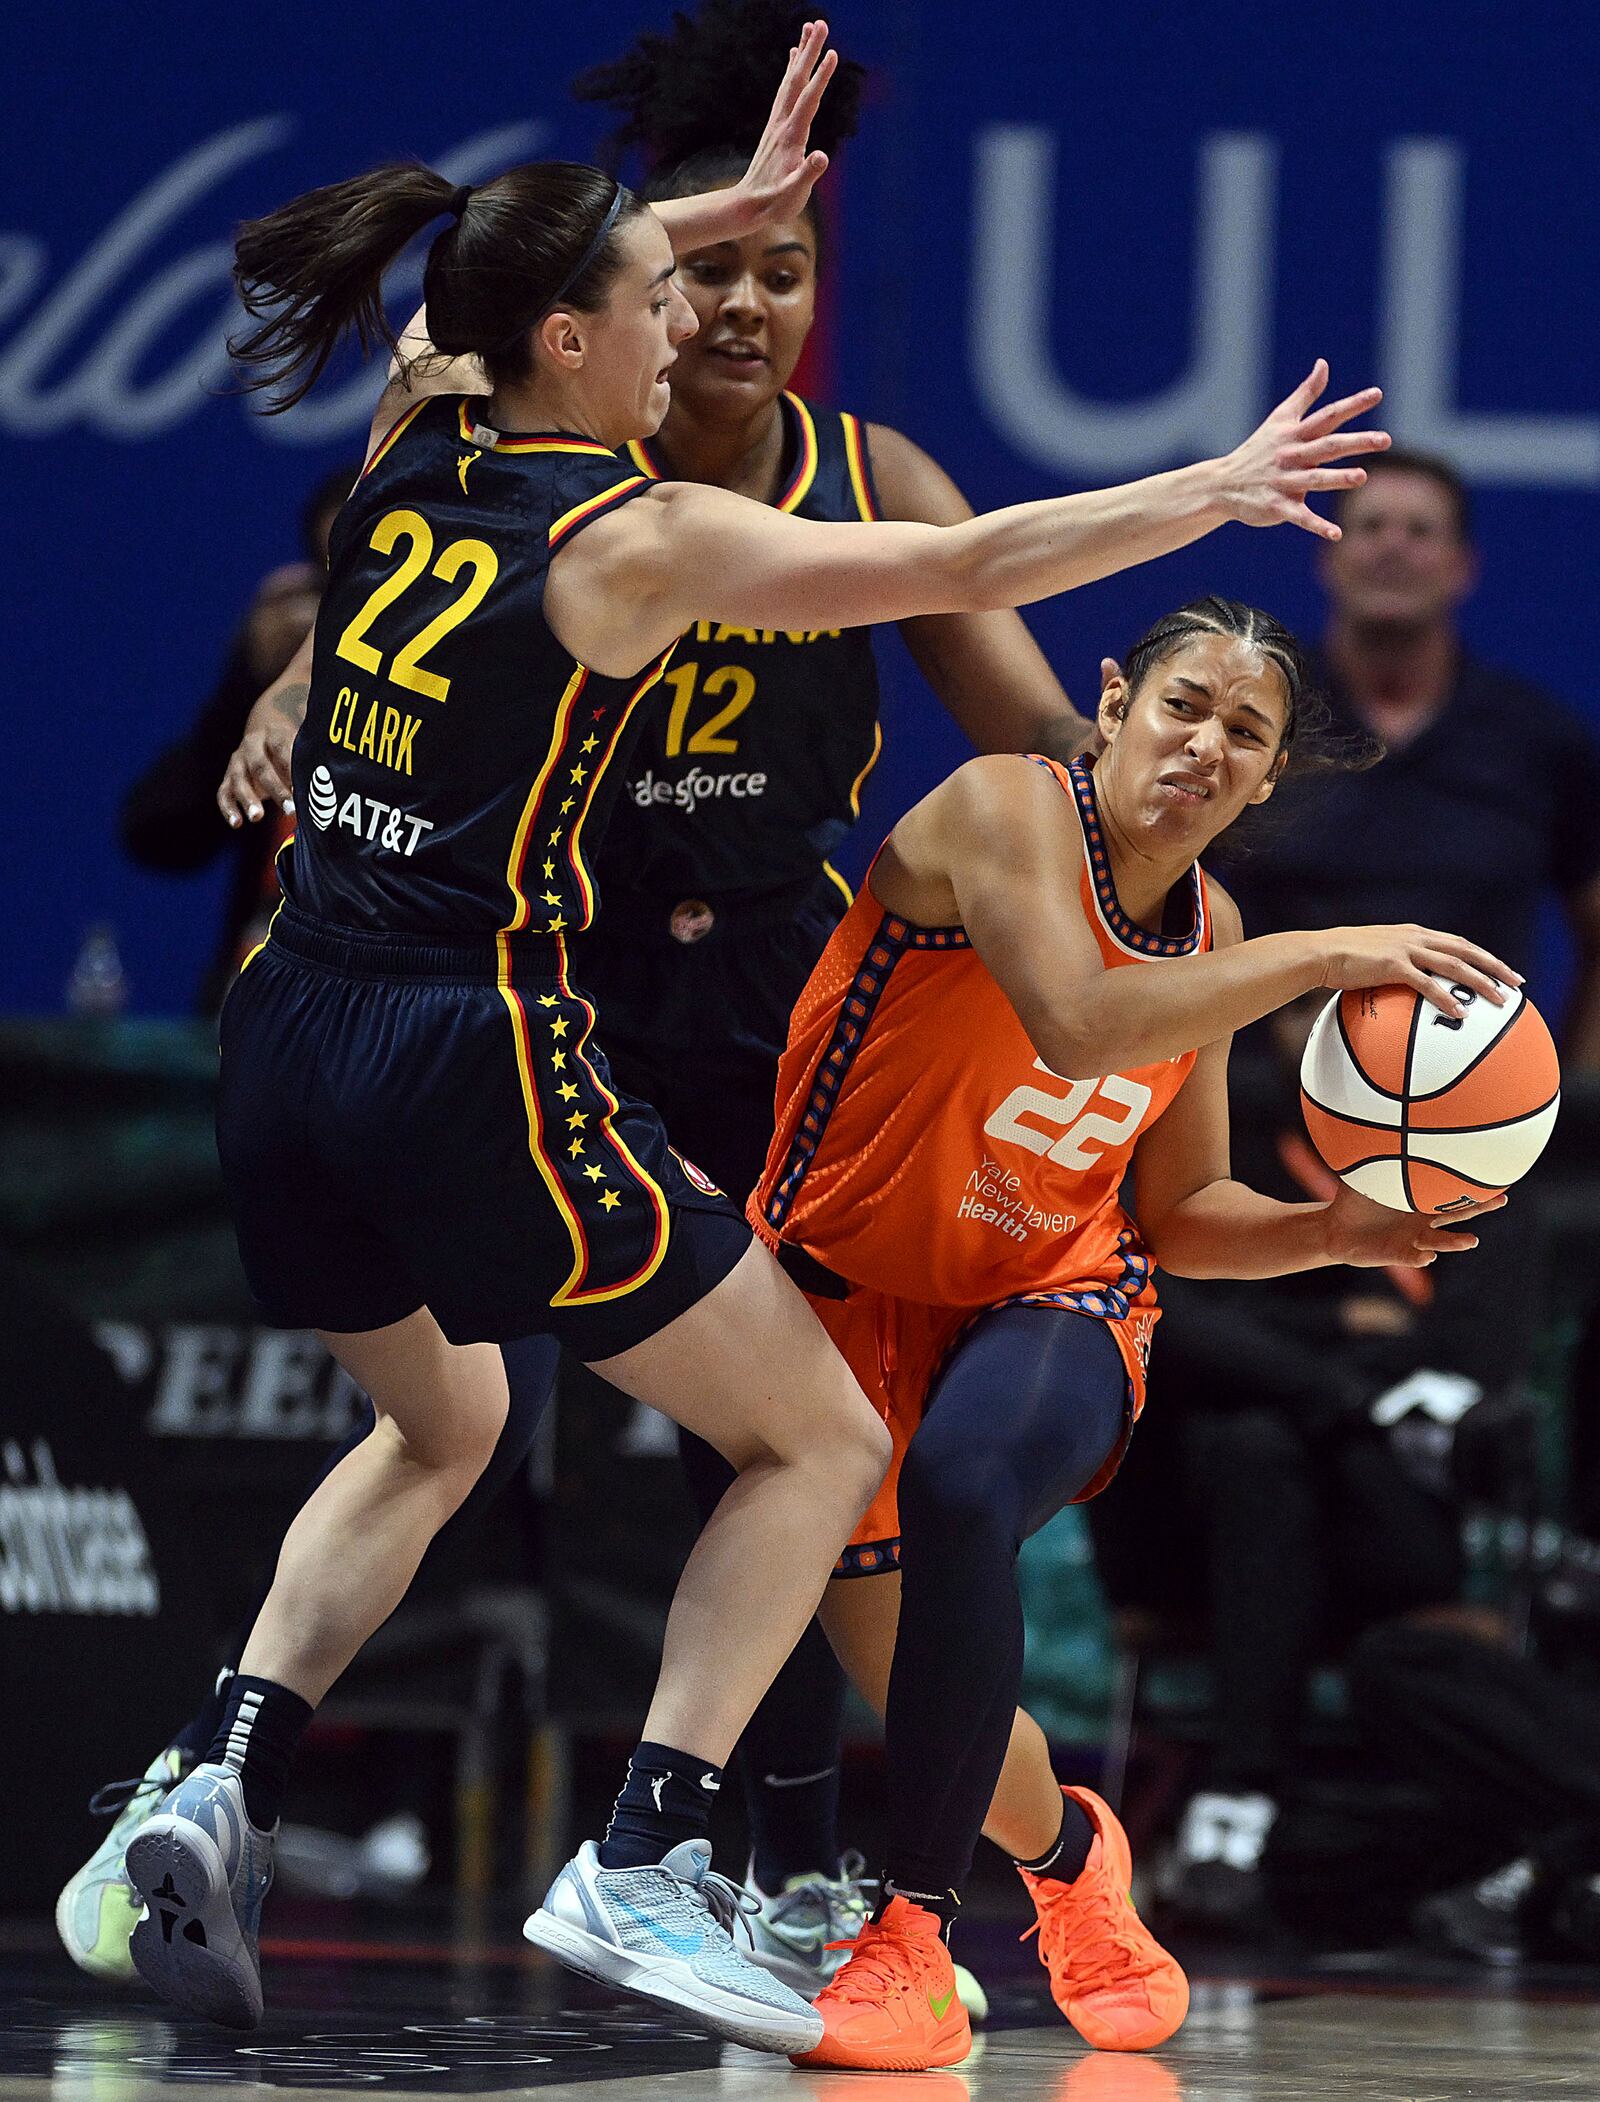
<point x="1225" y="390"/>
<point x="225" y="1382"/>
<point x="40" y="397"/>
<point x="1422" y="312"/>
<point x="70" y="1550"/>
<point x="1013" y="273"/>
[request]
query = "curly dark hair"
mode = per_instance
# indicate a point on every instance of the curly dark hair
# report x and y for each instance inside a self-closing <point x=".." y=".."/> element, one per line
<point x="694" y="98"/>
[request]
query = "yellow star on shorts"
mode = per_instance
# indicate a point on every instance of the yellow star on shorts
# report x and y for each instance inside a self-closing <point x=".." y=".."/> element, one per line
<point x="567" y="805"/>
<point x="551" y="898"/>
<point x="557" y="1060"/>
<point x="556" y="925"/>
<point x="610" y="1201"/>
<point x="560" y="1026"/>
<point x="579" y="774"/>
<point x="595" y="1172"/>
<point x="555" y="835"/>
<point x="589" y="743"/>
<point x="577" y="1120"/>
<point x="575" y="1149"/>
<point x="567" y="1091"/>
<point x="549" y="870"/>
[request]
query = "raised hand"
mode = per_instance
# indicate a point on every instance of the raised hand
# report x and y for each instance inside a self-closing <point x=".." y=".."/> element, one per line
<point x="1429" y="962"/>
<point x="1268" y="478"/>
<point x="1369" y="1236"/>
<point x="782" y="172"/>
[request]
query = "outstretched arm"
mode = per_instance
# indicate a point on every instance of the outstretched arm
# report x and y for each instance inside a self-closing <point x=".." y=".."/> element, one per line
<point x="635" y="580"/>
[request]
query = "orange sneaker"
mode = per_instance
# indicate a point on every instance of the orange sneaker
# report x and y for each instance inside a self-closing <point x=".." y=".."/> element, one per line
<point x="1109" y="1975"/>
<point x="894" y="2007"/>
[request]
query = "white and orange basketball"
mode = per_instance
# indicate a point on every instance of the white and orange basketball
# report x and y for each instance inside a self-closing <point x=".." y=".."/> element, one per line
<point x="1422" y="1112"/>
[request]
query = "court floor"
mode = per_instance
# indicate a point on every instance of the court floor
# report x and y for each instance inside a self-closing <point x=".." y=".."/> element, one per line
<point x="491" y="2018"/>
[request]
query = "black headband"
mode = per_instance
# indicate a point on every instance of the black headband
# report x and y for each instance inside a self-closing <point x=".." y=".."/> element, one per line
<point x="588" y="255"/>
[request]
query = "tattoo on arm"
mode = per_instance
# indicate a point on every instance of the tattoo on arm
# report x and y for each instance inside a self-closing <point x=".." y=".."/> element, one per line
<point x="291" y="702"/>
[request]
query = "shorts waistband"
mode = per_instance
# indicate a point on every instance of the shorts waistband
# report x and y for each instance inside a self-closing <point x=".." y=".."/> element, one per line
<point x="350" y="952"/>
<point x="747" y="911"/>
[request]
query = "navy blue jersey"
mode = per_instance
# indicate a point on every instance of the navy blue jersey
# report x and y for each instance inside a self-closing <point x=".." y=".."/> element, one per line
<point x="456" y="765"/>
<point x="748" y="767"/>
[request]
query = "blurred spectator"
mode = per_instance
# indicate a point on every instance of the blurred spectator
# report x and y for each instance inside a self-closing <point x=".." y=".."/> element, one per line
<point x="1488" y="801"/>
<point x="1292" y="1485"/>
<point x="169" y="820"/>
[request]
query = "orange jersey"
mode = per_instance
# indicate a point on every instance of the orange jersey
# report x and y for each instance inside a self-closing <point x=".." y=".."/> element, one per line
<point x="924" y="1151"/>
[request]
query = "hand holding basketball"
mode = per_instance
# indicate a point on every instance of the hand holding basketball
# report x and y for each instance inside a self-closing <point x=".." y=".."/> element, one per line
<point x="1432" y="964"/>
<point x="1371" y="1236"/>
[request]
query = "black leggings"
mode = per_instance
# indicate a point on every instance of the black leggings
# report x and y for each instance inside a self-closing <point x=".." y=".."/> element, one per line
<point x="1022" y="1418"/>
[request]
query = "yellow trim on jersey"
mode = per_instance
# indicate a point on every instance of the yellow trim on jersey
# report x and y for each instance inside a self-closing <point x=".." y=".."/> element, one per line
<point x="384" y="443"/>
<point x="472" y="433"/>
<point x="519" y="839"/>
<point x="579" y="512"/>
<point x="658" y="1196"/>
<point x="642" y="460"/>
<point x="859" y="782"/>
<point x="575" y="860"/>
<point x="798" y="490"/>
<point x="833" y="876"/>
<point x="855" y="453"/>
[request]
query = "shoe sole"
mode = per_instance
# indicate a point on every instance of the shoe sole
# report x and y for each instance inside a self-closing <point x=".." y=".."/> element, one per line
<point x="669" y="1983"/>
<point x="950" y="2052"/>
<point x="188" y="1947"/>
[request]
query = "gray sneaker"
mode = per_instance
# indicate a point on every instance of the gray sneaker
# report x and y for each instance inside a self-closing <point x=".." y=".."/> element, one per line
<point x="201" y="1870"/>
<point x="666" y="1933"/>
<point x="97" y="1910"/>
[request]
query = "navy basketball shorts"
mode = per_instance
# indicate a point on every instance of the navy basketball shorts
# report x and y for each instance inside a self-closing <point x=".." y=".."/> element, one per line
<point x="405" y="1124"/>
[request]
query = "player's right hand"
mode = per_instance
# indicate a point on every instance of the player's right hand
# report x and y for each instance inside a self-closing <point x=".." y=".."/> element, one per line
<point x="259" y="772"/>
<point x="1266" y="480"/>
<point x="1421" y="957"/>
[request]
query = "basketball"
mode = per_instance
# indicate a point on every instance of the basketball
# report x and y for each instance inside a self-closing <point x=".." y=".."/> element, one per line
<point x="1424" y="1112"/>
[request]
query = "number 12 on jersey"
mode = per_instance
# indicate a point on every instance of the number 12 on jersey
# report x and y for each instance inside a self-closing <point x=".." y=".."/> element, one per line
<point x="1074" y="1128"/>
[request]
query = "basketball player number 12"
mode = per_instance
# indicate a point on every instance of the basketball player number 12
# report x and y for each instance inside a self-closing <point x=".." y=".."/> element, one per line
<point x="1069" y="1115"/>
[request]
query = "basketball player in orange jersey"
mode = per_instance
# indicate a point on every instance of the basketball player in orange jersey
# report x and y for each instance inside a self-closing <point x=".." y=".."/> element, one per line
<point x="1034" y="994"/>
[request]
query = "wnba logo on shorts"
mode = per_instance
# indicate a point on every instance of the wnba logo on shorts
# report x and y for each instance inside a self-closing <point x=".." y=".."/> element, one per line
<point x="697" y="1176"/>
<point x="323" y="799"/>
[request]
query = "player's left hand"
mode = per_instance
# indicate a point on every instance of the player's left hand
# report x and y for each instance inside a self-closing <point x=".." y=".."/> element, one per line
<point x="782" y="174"/>
<point x="1369" y="1236"/>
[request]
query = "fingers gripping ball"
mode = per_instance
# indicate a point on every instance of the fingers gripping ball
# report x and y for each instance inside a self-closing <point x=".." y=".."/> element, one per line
<point x="1423" y="1111"/>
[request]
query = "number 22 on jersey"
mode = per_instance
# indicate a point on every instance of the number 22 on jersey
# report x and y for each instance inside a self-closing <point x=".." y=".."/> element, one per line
<point x="1077" y="1135"/>
<point x="407" y="669"/>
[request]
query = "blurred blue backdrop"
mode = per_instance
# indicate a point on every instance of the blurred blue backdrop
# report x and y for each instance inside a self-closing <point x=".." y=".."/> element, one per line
<point x="1073" y="247"/>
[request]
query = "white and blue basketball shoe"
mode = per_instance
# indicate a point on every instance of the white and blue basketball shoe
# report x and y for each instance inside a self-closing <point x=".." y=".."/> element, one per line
<point x="201" y="1870"/>
<point x="97" y="1910"/>
<point x="667" y="1933"/>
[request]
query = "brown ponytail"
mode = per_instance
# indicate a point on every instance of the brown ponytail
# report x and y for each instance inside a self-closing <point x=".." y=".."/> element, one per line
<point x="312" y="272"/>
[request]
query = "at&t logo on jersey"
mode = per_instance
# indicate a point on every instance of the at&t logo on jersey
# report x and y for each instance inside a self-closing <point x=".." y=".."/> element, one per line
<point x="385" y="824"/>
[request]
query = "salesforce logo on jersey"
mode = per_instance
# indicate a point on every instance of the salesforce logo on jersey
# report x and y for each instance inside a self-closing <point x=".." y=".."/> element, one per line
<point x="695" y="787"/>
<point x="69" y="1550"/>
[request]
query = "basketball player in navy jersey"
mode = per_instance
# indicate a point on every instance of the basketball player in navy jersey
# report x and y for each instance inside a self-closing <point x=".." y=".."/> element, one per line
<point x="424" y="1152"/>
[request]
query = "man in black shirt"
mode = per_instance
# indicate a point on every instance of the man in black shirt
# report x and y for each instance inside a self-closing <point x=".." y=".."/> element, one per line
<point x="1489" y="799"/>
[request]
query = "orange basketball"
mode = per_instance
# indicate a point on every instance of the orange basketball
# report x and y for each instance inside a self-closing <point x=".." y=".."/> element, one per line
<point x="1422" y="1112"/>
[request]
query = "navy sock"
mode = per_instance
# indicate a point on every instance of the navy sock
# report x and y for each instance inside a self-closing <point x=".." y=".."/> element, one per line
<point x="262" y="1724"/>
<point x="1066" y="1861"/>
<point x="793" y="1822"/>
<point x="196" y="1737"/>
<point x="665" y="1800"/>
<point x="945" y="1904"/>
